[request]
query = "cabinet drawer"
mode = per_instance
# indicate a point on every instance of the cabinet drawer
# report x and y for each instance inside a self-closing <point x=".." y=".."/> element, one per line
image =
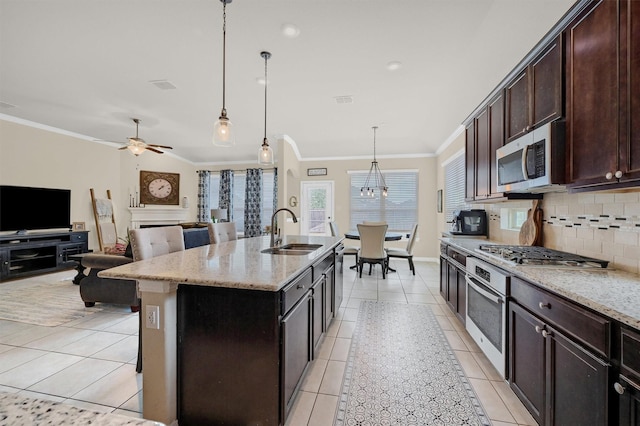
<point x="630" y="353"/>
<point x="585" y="326"/>
<point x="294" y="291"/>
<point x="78" y="237"/>
<point x="457" y="256"/>
<point x="320" y="267"/>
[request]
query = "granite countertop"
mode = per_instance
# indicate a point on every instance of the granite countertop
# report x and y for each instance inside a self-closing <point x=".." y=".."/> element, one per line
<point x="233" y="264"/>
<point x="613" y="293"/>
<point x="19" y="410"/>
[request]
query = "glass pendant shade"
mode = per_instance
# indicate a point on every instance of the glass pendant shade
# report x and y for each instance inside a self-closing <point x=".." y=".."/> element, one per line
<point x="223" y="132"/>
<point x="223" y="129"/>
<point x="265" y="154"/>
<point x="135" y="148"/>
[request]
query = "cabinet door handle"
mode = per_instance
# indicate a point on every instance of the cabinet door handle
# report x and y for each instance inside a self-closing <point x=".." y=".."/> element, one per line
<point x="609" y="176"/>
<point x="546" y="333"/>
<point x="618" y="388"/>
<point x="618" y="174"/>
<point x="544" y="305"/>
<point x="538" y="329"/>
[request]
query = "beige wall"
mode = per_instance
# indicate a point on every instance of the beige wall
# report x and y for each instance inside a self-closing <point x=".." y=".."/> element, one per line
<point x="36" y="157"/>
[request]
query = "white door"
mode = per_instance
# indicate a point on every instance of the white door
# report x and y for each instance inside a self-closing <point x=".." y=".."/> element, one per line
<point x="316" y="207"/>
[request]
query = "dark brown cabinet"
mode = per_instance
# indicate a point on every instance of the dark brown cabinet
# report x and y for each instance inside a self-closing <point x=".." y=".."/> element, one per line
<point x="556" y="364"/>
<point x="627" y="384"/>
<point x="484" y="136"/>
<point x="470" y="162"/>
<point x="534" y="97"/>
<point x="453" y="286"/>
<point x="243" y="354"/>
<point x="603" y="92"/>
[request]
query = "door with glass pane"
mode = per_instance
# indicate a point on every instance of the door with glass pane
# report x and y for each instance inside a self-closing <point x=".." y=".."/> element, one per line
<point x="316" y="207"/>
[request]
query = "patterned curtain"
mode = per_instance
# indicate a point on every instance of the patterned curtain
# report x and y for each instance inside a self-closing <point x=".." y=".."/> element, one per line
<point x="204" y="204"/>
<point x="275" y="193"/>
<point x="253" y="203"/>
<point x="225" y="201"/>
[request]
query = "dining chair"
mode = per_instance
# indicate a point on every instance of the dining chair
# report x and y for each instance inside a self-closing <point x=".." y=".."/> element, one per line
<point x="372" y="247"/>
<point x="221" y="232"/>
<point x="405" y="253"/>
<point x="366" y="222"/>
<point x="347" y="250"/>
<point x="151" y="242"/>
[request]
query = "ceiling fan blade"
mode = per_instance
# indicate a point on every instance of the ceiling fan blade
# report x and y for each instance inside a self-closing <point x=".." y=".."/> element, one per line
<point x="123" y="147"/>
<point x="160" y="146"/>
<point x="157" y="151"/>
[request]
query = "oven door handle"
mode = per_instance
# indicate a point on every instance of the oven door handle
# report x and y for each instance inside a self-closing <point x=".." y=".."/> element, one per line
<point x="482" y="291"/>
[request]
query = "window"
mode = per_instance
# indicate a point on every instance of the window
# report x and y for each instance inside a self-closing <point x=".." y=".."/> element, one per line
<point x="239" y="180"/>
<point x="512" y="218"/>
<point x="399" y="208"/>
<point x="454" y="181"/>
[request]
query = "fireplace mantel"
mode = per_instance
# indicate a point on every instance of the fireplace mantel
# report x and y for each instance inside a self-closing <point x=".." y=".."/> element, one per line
<point x="155" y="216"/>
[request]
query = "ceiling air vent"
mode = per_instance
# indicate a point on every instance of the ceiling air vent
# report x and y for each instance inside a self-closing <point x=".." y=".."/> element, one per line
<point x="163" y="84"/>
<point x="347" y="99"/>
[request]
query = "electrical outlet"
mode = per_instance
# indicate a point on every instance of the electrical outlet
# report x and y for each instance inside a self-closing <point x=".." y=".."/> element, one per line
<point x="153" y="316"/>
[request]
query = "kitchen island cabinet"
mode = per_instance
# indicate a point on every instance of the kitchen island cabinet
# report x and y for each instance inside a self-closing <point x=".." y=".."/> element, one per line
<point x="235" y="333"/>
<point x="603" y="96"/>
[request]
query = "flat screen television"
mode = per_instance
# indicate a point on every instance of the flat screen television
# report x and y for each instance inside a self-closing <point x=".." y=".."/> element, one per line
<point x="25" y="208"/>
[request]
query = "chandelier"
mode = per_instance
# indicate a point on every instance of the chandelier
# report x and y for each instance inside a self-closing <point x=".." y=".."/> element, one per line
<point x="375" y="180"/>
<point x="222" y="129"/>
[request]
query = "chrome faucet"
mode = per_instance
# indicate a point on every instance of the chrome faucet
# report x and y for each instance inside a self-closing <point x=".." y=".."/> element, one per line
<point x="276" y="241"/>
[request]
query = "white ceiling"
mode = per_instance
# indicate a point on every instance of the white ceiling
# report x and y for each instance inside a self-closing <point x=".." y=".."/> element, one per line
<point x="85" y="66"/>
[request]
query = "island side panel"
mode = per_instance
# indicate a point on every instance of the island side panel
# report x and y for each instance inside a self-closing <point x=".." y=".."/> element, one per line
<point x="228" y="356"/>
<point x="159" y="352"/>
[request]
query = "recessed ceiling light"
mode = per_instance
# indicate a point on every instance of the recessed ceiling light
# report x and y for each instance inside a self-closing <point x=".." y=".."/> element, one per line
<point x="290" y="30"/>
<point x="163" y="84"/>
<point x="394" y="65"/>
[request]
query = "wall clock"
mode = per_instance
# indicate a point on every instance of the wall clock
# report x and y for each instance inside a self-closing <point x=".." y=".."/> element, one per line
<point x="159" y="188"/>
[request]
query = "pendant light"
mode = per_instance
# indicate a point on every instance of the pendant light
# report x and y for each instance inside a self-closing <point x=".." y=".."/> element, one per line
<point x="265" y="154"/>
<point x="375" y="180"/>
<point x="223" y="129"/>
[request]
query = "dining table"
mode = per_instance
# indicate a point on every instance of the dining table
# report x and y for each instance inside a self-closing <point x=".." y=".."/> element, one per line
<point x="388" y="236"/>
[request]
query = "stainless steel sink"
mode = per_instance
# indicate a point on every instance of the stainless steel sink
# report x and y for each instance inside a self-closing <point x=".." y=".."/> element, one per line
<point x="298" y="249"/>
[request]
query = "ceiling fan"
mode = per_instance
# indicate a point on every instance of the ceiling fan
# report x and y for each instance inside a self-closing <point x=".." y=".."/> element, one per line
<point x="137" y="145"/>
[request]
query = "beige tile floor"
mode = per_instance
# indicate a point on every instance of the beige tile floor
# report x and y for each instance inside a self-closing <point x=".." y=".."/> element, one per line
<point x="90" y="362"/>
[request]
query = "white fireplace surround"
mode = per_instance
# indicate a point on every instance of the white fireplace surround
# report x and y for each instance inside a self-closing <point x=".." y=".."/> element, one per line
<point x="155" y="216"/>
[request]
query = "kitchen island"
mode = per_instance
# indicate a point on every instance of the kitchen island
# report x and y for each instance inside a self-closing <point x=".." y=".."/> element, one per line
<point x="236" y="328"/>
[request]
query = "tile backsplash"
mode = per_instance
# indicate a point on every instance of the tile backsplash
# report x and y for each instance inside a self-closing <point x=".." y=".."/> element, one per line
<point x="604" y="225"/>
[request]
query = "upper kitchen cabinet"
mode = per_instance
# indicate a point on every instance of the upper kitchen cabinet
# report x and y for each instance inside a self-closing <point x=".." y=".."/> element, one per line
<point x="470" y="162"/>
<point x="489" y="136"/>
<point x="534" y="96"/>
<point x="603" y="95"/>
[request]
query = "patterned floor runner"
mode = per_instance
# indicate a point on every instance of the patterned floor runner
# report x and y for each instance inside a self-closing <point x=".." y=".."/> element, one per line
<point x="402" y="371"/>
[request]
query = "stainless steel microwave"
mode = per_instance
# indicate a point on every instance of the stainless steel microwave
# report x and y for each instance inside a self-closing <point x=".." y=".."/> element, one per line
<point x="534" y="162"/>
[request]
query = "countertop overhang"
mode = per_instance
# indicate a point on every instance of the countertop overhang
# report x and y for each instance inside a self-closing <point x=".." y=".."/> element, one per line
<point x="233" y="264"/>
<point x="611" y="292"/>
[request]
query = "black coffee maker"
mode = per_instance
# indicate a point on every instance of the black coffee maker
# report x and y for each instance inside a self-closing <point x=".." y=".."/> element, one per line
<point x="469" y="222"/>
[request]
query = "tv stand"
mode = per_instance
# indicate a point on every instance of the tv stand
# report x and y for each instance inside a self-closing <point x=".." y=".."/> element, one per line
<point x="24" y="254"/>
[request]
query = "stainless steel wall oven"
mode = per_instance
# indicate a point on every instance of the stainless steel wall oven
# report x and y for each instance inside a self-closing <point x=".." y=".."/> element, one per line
<point x="487" y="291"/>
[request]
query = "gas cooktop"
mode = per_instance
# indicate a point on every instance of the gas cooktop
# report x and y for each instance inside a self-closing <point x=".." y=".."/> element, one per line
<point x="534" y="255"/>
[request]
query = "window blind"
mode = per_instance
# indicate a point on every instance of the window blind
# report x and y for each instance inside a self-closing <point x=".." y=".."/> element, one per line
<point x="399" y="208"/>
<point x="454" y="186"/>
